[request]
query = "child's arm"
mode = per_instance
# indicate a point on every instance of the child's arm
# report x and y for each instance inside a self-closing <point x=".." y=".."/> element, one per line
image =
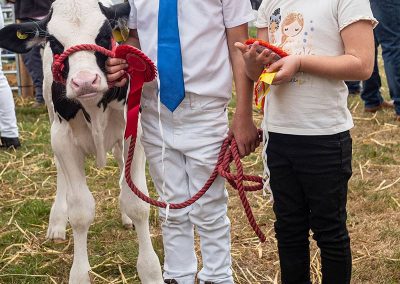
<point x="115" y="67"/>
<point x="356" y="64"/>
<point x="243" y="127"/>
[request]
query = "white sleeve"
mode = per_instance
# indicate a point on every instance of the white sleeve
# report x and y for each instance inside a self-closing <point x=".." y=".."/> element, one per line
<point x="132" y="21"/>
<point x="262" y="17"/>
<point x="237" y="12"/>
<point x="1" y="19"/>
<point x="351" y="11"/>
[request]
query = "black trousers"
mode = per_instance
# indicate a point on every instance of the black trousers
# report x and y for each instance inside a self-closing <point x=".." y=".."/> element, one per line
<point x="309" y="181"/>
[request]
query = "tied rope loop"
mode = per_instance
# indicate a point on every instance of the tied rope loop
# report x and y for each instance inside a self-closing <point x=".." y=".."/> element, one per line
<point x="229" y="153"/>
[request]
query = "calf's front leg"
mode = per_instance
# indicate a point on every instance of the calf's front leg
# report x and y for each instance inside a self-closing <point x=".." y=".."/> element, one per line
<point x="80" y="202"/>
<point x="58" y="215"/>
<point x="118" y="155"/>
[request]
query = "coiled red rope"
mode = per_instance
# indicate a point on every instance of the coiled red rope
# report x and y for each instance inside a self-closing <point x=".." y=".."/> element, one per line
<point x="229" y="151"/>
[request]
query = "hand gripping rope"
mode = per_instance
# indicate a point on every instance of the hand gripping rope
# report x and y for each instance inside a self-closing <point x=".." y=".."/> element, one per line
<point x="141" y="69"/>
<point x="262" y="87"/>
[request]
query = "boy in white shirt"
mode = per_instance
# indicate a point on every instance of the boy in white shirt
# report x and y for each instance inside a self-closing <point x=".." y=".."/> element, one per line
<point x="192" y="44"/>
<point x="309" y="150"/>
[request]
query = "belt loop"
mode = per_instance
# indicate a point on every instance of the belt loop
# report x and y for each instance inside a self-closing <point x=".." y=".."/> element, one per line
<point x="194" y="101"/>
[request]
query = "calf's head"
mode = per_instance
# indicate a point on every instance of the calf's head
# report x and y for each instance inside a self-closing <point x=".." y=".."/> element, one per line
<point x="71" y="23"/>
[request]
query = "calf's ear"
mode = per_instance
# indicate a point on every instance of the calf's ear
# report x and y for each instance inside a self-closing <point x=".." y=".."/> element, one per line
<point x="20" y="38"/>
<point x="117" y="13"/>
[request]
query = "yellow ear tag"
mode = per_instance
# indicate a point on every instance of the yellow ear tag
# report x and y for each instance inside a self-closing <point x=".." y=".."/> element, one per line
<point x="118" y="36"/>
<point x="21" y="35"/>
<point x="124" y="32"/>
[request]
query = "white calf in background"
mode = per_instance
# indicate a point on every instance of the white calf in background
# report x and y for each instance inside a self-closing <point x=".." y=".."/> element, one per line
<point x="87" y="118"/>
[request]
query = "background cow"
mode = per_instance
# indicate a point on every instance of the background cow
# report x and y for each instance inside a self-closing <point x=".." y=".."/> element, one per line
<point x="86" y="118"/>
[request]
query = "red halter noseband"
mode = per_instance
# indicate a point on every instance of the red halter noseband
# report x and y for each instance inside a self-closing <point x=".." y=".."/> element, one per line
<point x="58" y="59"/>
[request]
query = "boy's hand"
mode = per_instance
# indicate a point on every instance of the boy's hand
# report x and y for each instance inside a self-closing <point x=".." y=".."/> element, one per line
<point x="286" y="68"/>
<point x="246" y="134"/>
<point x="255" y="59"/>
<point x="257" y="54"/>
<point x="115" y="68"/>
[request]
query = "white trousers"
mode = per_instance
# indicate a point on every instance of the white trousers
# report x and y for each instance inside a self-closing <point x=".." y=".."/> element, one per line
<point x="193" y="135"/>
<point x="8" y="121"/>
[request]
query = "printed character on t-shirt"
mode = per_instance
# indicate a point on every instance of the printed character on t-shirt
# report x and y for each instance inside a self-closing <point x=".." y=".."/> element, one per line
<point x="292" y="26"/>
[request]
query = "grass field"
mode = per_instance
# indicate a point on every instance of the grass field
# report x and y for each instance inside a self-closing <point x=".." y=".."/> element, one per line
<point x="27" y="179"/>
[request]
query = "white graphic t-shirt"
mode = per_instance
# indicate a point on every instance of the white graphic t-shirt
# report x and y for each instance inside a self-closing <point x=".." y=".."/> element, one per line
<point x="309" y="104"/>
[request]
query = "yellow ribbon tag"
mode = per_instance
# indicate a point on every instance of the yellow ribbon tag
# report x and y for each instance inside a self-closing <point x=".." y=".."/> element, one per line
<point x="262" y="88"/>
<point x="21" y="35"/>
<point x="267" y="78"/>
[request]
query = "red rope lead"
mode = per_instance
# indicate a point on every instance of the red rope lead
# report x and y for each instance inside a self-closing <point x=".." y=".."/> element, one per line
<point x="229" y="152"/>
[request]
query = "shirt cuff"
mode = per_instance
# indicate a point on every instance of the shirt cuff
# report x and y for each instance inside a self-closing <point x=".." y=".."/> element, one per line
<point x="239" y="21"/>
<point x="353" y="20"/>
<point x="132" y="25"/>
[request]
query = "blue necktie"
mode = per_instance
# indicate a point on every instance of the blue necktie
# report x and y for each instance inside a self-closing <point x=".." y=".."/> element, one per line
<point x="169" y="57"/>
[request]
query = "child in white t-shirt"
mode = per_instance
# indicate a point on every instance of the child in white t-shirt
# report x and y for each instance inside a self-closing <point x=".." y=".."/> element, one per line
<point x="309" y="149"/>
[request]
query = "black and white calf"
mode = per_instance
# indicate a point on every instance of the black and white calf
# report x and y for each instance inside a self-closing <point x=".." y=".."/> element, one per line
<point x="86" y="118"/>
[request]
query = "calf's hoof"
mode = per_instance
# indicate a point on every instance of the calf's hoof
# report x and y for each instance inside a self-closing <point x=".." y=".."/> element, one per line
<point x="56" y="234"/>
<point x="129" y="226"/>
<point x="80" y="277"/>
<point x="127" y="222"/>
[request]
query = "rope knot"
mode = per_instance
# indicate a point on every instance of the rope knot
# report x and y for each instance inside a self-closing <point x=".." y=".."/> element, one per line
<point x="57" y="69"/>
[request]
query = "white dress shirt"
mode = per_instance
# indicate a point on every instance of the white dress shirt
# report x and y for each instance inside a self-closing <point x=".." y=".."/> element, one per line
<point x="202" y="28"/>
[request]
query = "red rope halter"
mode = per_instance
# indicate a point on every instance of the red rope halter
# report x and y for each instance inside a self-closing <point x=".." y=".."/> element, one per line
<point x="229" y="151"/>
<point x="58" y="62"/>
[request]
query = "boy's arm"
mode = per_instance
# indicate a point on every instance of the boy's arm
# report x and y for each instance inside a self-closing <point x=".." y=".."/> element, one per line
<point x="356" y="64"/>
<point x="115" y="67"/>
<point x="133" y="39"/>
<point x="243" y="128"/>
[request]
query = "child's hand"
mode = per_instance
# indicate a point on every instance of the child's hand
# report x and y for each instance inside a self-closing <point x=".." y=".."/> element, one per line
<point x="255" y="59"/>
<point x="256" y="54"/>
<point x="115" y="68"/>
<point x="286" y="68"/>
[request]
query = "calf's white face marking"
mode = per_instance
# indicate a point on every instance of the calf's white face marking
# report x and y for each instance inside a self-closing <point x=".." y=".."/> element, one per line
<point x="80" y="22"/>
